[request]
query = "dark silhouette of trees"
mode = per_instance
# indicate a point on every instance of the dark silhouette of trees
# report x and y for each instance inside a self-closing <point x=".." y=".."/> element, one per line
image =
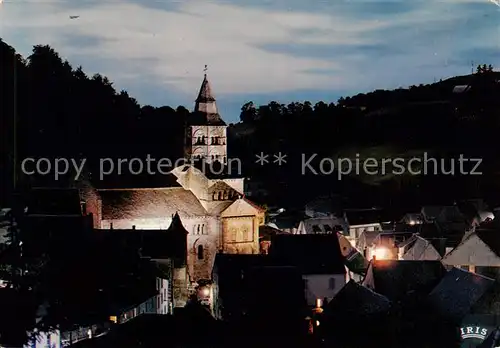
<point x="63" y="112"/>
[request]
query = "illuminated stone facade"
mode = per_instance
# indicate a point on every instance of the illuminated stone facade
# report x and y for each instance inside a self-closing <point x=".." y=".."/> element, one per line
<point x="206" y="133"/>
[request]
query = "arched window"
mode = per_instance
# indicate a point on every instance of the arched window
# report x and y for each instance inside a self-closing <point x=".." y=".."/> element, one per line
<point x="200" y="252"/>
<point x="220" y="195"/>
<point x="198" y="230"/>
<point x="203" y="229"/>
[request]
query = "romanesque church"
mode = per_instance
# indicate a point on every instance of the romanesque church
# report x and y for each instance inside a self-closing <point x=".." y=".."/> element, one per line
<point x="214" y="212"/>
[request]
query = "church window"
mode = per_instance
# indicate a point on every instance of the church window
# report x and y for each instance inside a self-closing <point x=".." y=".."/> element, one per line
<point x="226" y="195"/>
<point x="214" y="196"/>
<point x="203" y="229"/>
<point x="198" y="230"/>
<point x="220" y="195"/>
<point x="246" y="234"/>
<point x="225" y="159"/>
<point x="234" y="233"/>
<point x="200" y="252"/>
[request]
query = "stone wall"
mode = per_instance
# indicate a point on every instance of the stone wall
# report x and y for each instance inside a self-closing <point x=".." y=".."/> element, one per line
<point x="240" y="235"/>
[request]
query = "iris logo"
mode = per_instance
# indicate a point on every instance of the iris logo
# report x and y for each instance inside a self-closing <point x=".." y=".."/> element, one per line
<point x="473" y="332"/>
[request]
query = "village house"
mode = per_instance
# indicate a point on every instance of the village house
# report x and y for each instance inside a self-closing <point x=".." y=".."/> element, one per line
<point x="361" y="220"/>
<point x="400" y="280"/>
<point x="319" y="260"/>
<point x="479" y="252"/>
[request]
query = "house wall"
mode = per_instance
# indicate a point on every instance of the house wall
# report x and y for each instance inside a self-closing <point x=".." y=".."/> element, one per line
<point x="474" y="252"/>
<point x="317" y="286"/>
<point x="356" y="230"/>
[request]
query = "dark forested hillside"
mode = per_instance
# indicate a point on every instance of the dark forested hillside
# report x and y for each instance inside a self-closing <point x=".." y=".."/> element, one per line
<point x="63" y="112"/>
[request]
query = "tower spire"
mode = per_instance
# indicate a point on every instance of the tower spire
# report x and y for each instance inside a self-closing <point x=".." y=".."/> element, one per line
<point x="205" y="70"/>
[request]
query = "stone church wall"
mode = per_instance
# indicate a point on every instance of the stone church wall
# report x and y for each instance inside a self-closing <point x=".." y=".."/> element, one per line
<point x="236" y="239"/>
<point x="208" y="239"/>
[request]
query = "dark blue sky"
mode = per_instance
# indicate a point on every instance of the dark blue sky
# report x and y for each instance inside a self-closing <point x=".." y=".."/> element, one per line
<point x="260" y="50"/>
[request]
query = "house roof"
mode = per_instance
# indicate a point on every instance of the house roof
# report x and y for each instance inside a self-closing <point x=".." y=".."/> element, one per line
<point x="491" y="238"/>
<point x="289" y="219"/>
<point x="364" y="216"/>
<point x="356" y="301"/>
<point x="457" y="292"/>
<point x="366" y="238"/>
<point x="53" y="201"/>
<point x="311" y="253"/>
<point x="322" y="225"/>
<point x="488" y="237"/>
<point x="149" y="203"/>
<point x="418" y="248"/>
<point x="205" y="110"/>
<point x="266" y="232"/>
<point x="392" y="238"/>
<point x="217" y="207"/>
<point x="399" y="279"/>
<point x="461" y="88"/>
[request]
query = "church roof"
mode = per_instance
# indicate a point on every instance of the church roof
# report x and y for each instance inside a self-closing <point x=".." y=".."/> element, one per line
<point x="149" y="203"/>
<point x="205" y="110"/>
<point x="205" y="95"/>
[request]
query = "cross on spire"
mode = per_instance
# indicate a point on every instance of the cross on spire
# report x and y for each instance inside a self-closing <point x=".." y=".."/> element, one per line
<point x="205" y="70"/>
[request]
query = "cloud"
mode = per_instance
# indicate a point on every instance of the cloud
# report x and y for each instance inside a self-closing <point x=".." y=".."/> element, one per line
<point x="256" y="48"/>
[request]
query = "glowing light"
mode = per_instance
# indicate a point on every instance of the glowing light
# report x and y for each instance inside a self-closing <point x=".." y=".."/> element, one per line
<point x="317" y="323"/>
<point x="382" y="253"/>
<point x="319" y="303"/>
<point x="412" y="222"/>
<point x="205" y="292"/>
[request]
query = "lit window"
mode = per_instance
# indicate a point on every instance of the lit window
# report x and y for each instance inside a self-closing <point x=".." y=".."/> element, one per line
<point x="319" y="303"/>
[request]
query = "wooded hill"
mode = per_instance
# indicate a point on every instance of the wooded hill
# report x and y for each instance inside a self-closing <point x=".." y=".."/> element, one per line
<point x="63" y="112"/>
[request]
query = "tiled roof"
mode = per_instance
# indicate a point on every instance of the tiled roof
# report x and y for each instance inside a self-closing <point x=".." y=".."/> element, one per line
<point x="366" y="238"/>
<point x="420" y="249"/>
<point x="399" y="279"/>
<point x="457" y="292"/>
<point x="217" y="207"/>
<point x="149" y="203"/>
<point x="205" y="111"/>
<point x="311" y="253"/>
<point x="355" y="301"/>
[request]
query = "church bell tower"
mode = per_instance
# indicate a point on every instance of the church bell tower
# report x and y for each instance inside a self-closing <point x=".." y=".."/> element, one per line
<point x="206" y="132"/>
